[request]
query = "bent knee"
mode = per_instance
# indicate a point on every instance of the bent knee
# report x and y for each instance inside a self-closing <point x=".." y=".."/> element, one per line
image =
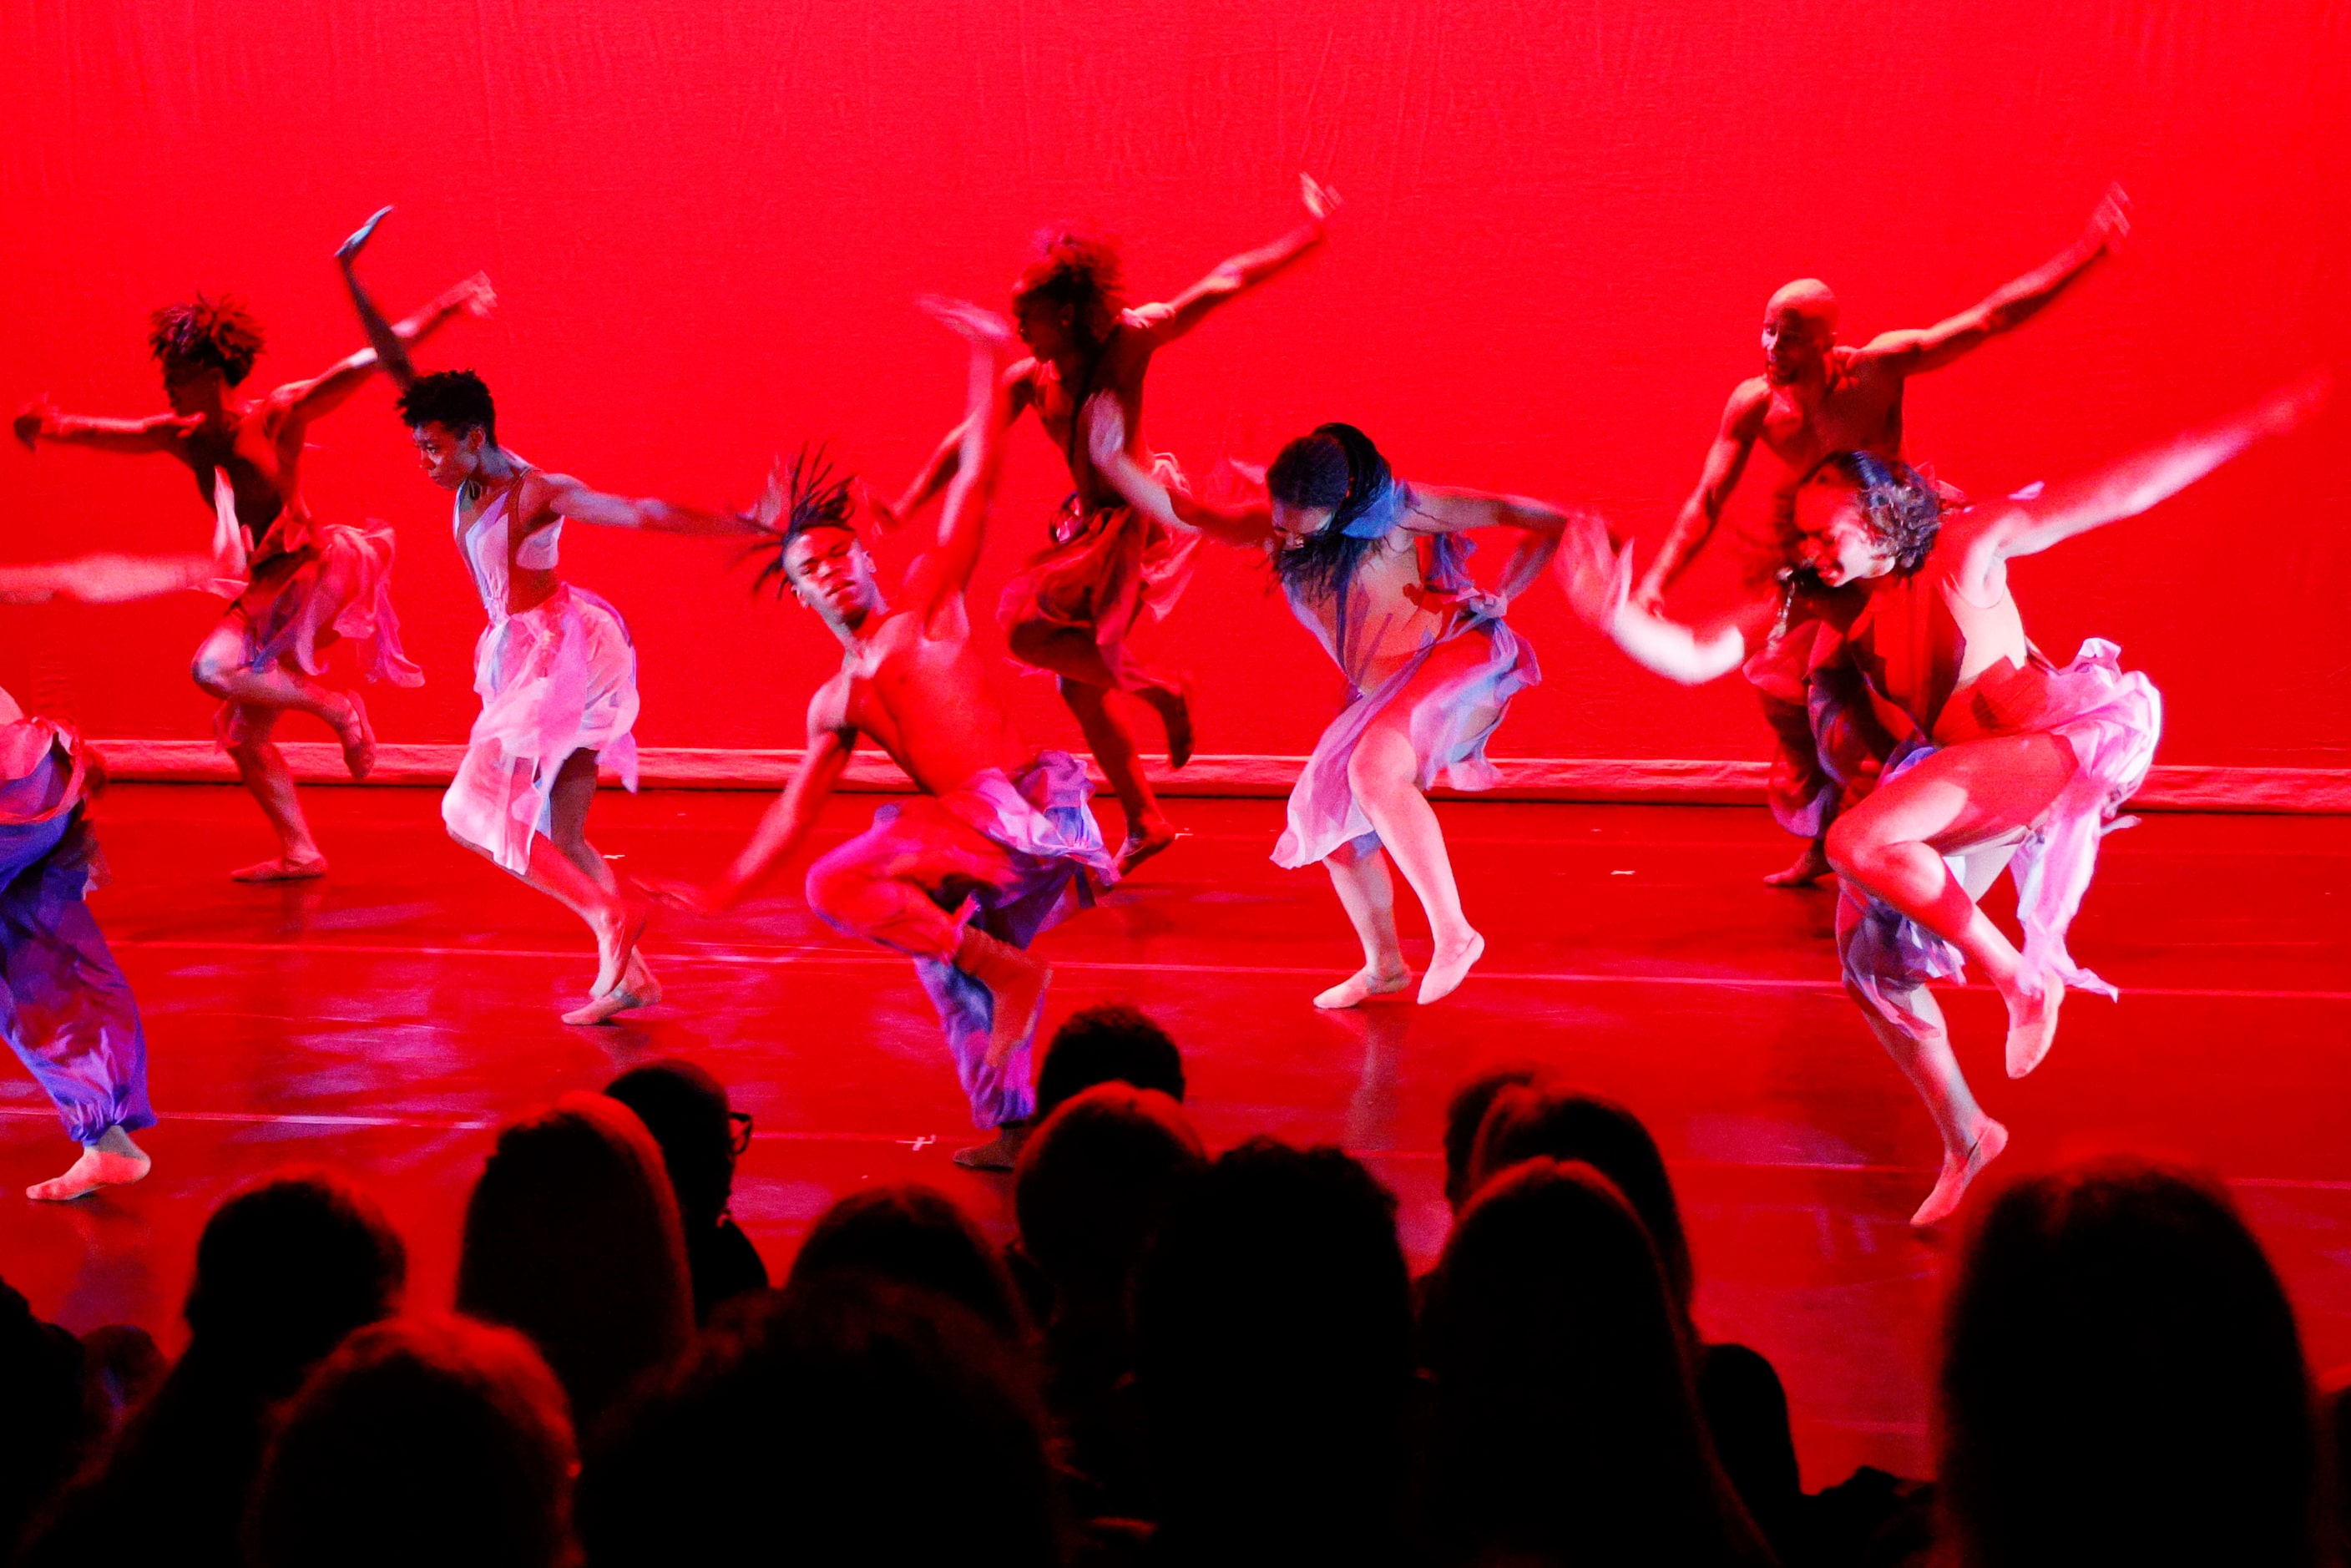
<point x="211" y="671"/>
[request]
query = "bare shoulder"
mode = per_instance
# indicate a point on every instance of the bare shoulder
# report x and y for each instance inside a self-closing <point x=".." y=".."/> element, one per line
<point x="1749" y="400"/>
<point x="828" y="711"/>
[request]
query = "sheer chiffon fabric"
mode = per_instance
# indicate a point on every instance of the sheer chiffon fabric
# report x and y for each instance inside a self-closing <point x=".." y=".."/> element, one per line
<point x="1108" y="572"/>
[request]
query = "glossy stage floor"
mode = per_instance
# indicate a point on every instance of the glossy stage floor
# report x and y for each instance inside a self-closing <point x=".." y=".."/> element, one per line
<point x="384" y="1020"/>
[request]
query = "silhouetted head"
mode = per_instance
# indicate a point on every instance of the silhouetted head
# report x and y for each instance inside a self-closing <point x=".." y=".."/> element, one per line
<point x="846" y="1419"/>
<point x="433" y="1440"/>
<point x="1066" y="302"/>
<point x="1110" y="1044"/>
<point x="1863" y="516"/>
<point x="2122" y="1380"/>
<point x="204" y="347"/>
<point x="1547" y="1121"/>
<point x="1799" y="329"/>
<point x="284" y="1270"/>
<point x="573" y="1237"/>
<point x="454" y="422"/>
<point x="1095" y="1179"/>
<point x="1274" y="1358"/>
<point x="686" y="1110"/>
<point x="1567" y="1429"/>
<point x="916" y="1235"/>
<point x="1465" y="1112"/>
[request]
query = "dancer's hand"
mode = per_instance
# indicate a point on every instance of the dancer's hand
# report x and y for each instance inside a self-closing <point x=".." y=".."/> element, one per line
<point x="1321" y="202"/>
<point x="975" y="322"/>
<point x="348" y="251"/>
<point x="476" y="297"/>
<point x="35" y="420"/>
<point x="2294" y="405"/>
<point x="2110" y="224"/>
<point x="767" y="513"/>
<point x="1596" y="575"/>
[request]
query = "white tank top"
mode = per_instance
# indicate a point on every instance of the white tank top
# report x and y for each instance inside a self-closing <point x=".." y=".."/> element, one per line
<point x="486" y="547"/>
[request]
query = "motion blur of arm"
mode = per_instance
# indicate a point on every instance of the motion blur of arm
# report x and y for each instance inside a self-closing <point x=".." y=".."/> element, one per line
<point x="2126" y="488"/>
<point x="1725" y="460"/>
<point x="1909" y="353"/>
<point x="1250" y="523"/>
<point x="1598" y="575"/>
<point x="788" y="823"/>
<point x="1237" y="275"/>
<point x="934" y="474"/>
<point x="1439" y="509"/>
<point x="40" y="421"/>
<point x="121" y="579"/>
<point x="388" y="344"/>
<point x="946" y="570"/>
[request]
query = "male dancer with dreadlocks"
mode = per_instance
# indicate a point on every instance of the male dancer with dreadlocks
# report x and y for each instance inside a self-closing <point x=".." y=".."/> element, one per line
<point x="309" y="584"/>
<point x="1377" y="569"/>
<point x="1814" y="398"/>
<point x="2003" y="758"/>
<point x="555" y="668"/>
<point x="1001" y="844"/>
<point x="1109" y="570"/>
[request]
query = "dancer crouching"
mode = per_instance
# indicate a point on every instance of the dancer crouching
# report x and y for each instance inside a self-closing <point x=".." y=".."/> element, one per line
<point x="555" y="668"/>
<point x="1001" y="844"/>
<point x="1377" y="570"/>
<point x="2004" y="759"/>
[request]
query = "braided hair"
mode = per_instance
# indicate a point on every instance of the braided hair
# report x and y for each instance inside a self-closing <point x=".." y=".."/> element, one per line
<point x="814" y="497"/>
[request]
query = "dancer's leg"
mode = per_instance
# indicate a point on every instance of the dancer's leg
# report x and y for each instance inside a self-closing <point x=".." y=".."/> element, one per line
<point x="1972" y="1140"/>
<point x="575" y="791"/>
<point x="261" y="768"/>
<point x="1978" y="793"/>
<point x="1367" y="893"/>
<point x="1087" y="684"/>
<point x="221" y="669"/>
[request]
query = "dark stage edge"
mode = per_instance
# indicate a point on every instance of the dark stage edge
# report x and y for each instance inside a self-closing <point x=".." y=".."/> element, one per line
<point x="383" y="1021"/>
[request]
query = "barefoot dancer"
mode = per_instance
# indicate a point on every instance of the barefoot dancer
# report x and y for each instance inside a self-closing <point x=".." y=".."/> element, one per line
<point x="309" y="584"/>
<point x="1377" y="569"/>
<point x="1815" y="398"/>
<point x="555" y="669"/>
<point x="2004" y="759"/>
<point x="1001" y="844"/>
<point x="1108" y="572"/>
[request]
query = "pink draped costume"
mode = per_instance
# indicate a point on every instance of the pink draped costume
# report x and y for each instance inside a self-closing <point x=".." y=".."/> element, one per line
<point x="1016" y="854"/>
<point x="1448" y="724"/>
<point x="310" y="585"/>
<point x="1907" y="647"/>
<point x="554" y="679"/>
<point x="64" y="1005"/>
<point x="1108" y="572"/>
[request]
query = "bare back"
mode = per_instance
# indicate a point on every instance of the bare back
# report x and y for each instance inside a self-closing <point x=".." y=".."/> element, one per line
<point x="261" y="452"/>
<point x="1118" y="368"/>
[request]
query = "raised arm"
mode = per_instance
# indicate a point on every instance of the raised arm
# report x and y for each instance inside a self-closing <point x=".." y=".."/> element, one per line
<point x="1444" y="509"/>
<point x="1725" y="460"/>
<point x="788" y="823"/>
<point x="1250" y="523"/>
<point x="1237" y="275"/>
<point x="40" y="421"/>
<point x="388" y="344"/>
<point x="933" y="476"/>
<point x="2126" y="488"/>
<point x="1909" y="353"/>
<point x="945" y="571"/>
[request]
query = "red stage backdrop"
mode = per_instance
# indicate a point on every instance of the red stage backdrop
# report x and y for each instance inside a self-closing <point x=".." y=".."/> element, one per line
<point x="708" y="223"/>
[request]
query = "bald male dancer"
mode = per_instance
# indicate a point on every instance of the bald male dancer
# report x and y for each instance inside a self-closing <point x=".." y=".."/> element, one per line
<point x="1816" y="397"/>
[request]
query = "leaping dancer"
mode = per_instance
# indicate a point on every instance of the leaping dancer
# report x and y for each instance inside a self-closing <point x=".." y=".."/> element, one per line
<point x="1109" y="570"/>
<point x="309" y="584"/>
<point x="1814" y="398"/>
<point x="999" y="845"/>
<point x="2004" y="759"/>
<point x="555" y="668"/>
<point x="1377" y="570"/>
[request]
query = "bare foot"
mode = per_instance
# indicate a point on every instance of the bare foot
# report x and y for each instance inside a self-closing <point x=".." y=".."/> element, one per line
<point x="1000" y="1152"/>
<point x="2032" y="1026"/>
<point x="1448" y="970"/>
<point x="1363" y="984"/>
<point x="1144" y="843"/>
<point x="1173" y="705"/>
<point x="113" y="1161"/>
<point x="1809" y="867"/>
<point x="285" y="868"/>
<point x="1957" y="1172"/>
<point x="604" y="1009"/>
<point x="616" y="943"/>
<point x="358" y="737"/>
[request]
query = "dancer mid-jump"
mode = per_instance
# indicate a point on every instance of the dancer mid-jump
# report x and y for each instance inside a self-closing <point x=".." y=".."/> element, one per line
<point x="555" y="669"/>
<point x="2001" y="756"/>
<point x="1109" y="570"/>
<point x="1377" y="570"/>
<point x="308" y="584"/>
<point x="999" y="844"/>
<point x="1815" y="397"/>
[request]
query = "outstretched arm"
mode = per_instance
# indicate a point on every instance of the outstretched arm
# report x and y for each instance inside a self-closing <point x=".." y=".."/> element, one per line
<point x="1598" y="575"/>
<point x="933" y="476"/>
<point x="1437" y="508"/>
<point x="1911" y="352"/>
<point x="1237" y="275"/>
<point x="388" y="345"/>
<point x="945" y="571"/>
<point x="2126" y="488"/>
<point x="788" y="821"/>
<point x="567" y="496"/>
<point x="1250" y="523"/>
<point x="1725" y="460"/>
<point x="40" y="421"/>
<point x="116" y="578"/>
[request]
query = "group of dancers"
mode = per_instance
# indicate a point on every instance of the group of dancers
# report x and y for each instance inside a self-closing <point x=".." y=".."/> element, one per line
<point x="1924" y="743"/>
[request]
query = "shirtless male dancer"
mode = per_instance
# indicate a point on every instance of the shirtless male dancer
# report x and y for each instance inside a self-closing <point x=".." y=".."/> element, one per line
<point x="999" y="844"/>
<point x="1815" y="397"/>
<point x="1109" y="570"/>
<point x="2004" y="759"/>
<point x="555" y="668"/>
<point x="309" y="584"/>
